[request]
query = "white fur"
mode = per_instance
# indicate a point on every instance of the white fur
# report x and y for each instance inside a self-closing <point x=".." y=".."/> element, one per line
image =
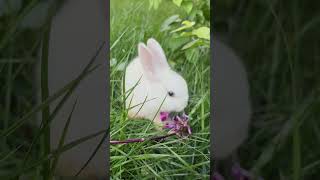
<point x="157" y="78"/>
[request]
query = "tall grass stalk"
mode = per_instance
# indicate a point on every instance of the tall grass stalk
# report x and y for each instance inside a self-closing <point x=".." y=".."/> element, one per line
<point x="45" y="140"/>
<point x="8" y="101"/>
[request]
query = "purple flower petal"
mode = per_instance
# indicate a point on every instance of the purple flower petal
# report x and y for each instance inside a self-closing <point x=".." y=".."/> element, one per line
<point x="185" y="117"/>
<point x="177" y="124"/>
<point x="179" y="119"/>
<point x="164" y="116"/>
<point x="169" y="126"/>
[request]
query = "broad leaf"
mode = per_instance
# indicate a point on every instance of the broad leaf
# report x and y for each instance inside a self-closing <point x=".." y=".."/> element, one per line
<point x="176" y="43"/>
<point x="190" y="44"/>
<point x="186" y="25"/>
<point x="166" y="24"/>
<point x="187" y="6"/>
<point x="202" y="32"/>
<point x="177" y="2"/>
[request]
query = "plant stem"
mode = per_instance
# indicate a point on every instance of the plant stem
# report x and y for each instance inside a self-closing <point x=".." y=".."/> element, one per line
<point x="155" y="138"/>
<point x="8" y="100"/>
<point x="44" y="95"/>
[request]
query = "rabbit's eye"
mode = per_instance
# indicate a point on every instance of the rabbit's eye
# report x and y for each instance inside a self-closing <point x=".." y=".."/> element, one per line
<point x="170" y="93"/>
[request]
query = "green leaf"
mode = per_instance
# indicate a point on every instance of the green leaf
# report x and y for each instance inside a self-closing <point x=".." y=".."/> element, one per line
<point x="166" y="24"/>
<point x="186" y="25"/>
<point x="187" y="6"/>
<point x="176" y="43"/>
<point x="190" y="44"/>
<point x="177" y="2"/>
<point x="156" y="4"/>
<point x="151" y="2"/>
<point x="202" y="32"/>
<point x="186" y="34"/>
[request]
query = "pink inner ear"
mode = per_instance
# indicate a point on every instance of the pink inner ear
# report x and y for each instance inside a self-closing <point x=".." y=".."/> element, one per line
<point x="158" y="53"/>
<point x="146" y="59"/>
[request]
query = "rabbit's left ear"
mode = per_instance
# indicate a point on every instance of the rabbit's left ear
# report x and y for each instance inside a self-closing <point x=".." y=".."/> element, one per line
<point x="159" y="58"/>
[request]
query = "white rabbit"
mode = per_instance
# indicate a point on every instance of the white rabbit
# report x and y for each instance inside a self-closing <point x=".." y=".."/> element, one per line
<point x="150" y="75"/>
<point x="150" y="82"/>
<point x="231" y="105"/>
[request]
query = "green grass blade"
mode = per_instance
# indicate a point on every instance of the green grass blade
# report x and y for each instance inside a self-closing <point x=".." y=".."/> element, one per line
<point x="53" y="154"/>
<point x="62" y="140"/>
<point x="45" y="143"/>
<point x="72" y="87"/>
<point x="103" y="140"/>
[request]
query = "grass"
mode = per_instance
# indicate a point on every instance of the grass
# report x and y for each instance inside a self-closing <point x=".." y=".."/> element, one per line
<point x="131" y="23"/>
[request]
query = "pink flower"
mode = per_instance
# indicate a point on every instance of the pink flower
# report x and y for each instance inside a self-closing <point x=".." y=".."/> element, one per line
<point x="164" y="116"/>
<point x="178" y="124"/>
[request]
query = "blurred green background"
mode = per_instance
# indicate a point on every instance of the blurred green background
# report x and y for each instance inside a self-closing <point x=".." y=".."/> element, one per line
<point x="279" y="44"/>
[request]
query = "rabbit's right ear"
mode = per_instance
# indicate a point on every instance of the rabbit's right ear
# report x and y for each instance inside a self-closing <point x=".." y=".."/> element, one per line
<point x="158" y="53"/>
<point x="145" y="57"/>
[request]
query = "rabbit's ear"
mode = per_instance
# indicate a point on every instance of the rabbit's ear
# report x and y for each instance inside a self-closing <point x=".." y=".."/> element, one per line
<point x="160" y="59"/>
<point x="146" y="59"/>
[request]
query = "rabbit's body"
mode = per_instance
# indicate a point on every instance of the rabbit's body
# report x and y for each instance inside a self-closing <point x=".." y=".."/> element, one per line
<point x="148" y="85"/>
<point x="134" y="72"/>
<point x="231" y="105"/>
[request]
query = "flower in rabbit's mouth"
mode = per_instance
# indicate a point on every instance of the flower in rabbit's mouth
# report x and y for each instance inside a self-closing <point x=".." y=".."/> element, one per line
<point x="177" y="123"/>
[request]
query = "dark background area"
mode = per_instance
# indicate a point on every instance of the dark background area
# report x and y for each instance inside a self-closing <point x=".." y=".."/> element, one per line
<point x="279" y="44"/>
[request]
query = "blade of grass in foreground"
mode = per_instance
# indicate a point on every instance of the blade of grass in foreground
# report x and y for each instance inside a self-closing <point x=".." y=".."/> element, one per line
<point x="9" y="33"/>
<point x="53" y="154"/>
<point x="31" y="113"/>
<point x="62" y="140"/>
<point x="93" y="154"/>
<point x="36" y="109"/>
<point x="278" y="141"/>
<point x="2" y="159"/>
<point x="42" y="126"/>
<point x="45" y="140"/>
<point x="72" y="87"/>
<point x="296" y="138"/>
<point x="8" y="101"/>
<point x="12" y="28"/>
